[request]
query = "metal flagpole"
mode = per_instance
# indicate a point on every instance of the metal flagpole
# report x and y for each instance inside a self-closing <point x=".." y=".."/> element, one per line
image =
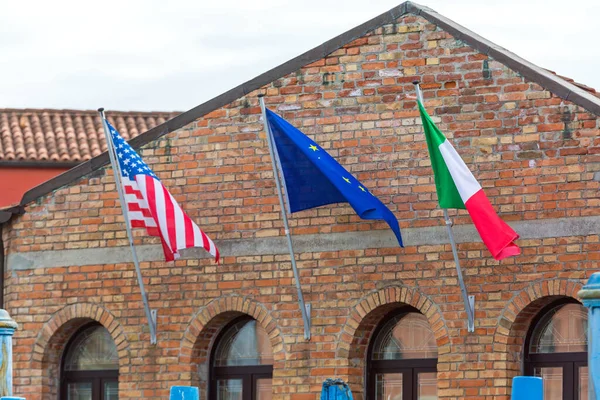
<point x="468" y="300"/>
<point x="150" y="314"/>
<point x="304" y="308"/>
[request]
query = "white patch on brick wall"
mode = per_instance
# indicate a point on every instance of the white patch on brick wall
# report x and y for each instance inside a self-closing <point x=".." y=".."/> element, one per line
<point x="356" y="92"/>
<point x="390" y="72"/>
<point x="532" y="164"/>
<point x="288" y="107"/>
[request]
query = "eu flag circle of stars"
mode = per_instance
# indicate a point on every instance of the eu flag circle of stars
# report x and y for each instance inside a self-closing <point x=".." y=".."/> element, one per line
<point x="314" y="148"/>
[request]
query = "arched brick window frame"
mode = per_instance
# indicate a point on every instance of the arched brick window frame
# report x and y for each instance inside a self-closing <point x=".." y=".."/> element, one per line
<point x="516" y="318"/>
<point x="51" y="342"/>
<point x="204" y="327"/>
<point x="365" y="317"/>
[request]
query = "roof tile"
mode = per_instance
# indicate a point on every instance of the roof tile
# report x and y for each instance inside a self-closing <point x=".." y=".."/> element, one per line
<point x="66" y="135"/>
<point x="579" y="85"/>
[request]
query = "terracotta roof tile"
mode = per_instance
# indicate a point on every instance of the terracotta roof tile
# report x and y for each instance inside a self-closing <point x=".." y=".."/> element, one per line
<point x="66" y="135"/>
<point x="579" y="85"/>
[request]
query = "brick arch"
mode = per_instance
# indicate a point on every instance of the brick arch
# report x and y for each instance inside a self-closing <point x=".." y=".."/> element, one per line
<point x="203" y="328"/>
<point x="371" y="308"/>
<point x="55" y="334"/>
<point x="515" y="320"/>
<point x="364" y="318"/>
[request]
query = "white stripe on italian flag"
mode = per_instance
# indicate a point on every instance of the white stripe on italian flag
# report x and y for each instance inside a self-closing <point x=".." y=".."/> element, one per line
<point x="457" y="188"/>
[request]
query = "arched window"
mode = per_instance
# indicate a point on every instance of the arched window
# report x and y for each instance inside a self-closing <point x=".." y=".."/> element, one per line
<point x="556" y="350"/>
<point x="242" y="363"/>
<point x="90" y="366"/>
<point x="402" y="362"/>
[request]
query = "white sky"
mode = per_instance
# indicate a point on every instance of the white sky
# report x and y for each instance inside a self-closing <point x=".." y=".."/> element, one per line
<point x="173" y="55"/>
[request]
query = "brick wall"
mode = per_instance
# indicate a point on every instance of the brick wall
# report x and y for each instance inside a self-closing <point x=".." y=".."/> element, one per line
<point x="536" y="155"/>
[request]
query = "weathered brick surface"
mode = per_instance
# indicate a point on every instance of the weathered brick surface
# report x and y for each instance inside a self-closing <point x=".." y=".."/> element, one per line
<point x="535" y="154"/>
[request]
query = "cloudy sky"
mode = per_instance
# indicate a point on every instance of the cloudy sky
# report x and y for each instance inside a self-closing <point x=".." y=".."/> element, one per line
<point x="176" y="54"/>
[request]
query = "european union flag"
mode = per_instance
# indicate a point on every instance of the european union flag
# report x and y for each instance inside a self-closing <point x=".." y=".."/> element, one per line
<point x="312" y="177"/>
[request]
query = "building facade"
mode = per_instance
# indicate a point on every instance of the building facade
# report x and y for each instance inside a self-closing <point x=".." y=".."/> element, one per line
<point x="390" y="321"/>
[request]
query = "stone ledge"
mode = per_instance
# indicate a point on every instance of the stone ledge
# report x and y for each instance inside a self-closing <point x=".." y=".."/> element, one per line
<point x="536" y="229"/>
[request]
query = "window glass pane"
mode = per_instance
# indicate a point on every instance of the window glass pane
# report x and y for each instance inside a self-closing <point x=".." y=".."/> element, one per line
<point x="264" y="389"/>
<point x="553" y="382"/>
<point x="562" y="330"/>
<point x="404" y="337"/>
<point x="79" y="391"/>
<point x="93" y="349"/>
<point x="244" y="343"/>
<point x="388" y="387"/>
<point x="111" y="390"/>
<point x="229" y="389"/>
<point x="427" y="389"/>
<point x="583" y="383"/>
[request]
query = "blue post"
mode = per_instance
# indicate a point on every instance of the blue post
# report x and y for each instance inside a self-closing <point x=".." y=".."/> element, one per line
<point x="590" y="295"/>
<point x="7" y="329"/>
<point x="335" y="389"/>
<point x="527" y="388"/>
<point x="183" y="393"/>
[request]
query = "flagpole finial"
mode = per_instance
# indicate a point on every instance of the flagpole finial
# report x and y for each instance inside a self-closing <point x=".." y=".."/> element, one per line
<point x="101" y="109"/>
<point x="416" y="82"/>
<point x="261" y="95"/>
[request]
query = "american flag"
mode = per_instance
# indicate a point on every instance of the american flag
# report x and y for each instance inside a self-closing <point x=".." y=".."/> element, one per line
<point x="151" y="206"/>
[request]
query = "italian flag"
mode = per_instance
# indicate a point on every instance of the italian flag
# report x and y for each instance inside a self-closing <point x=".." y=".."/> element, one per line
<point x="457" y="188"/>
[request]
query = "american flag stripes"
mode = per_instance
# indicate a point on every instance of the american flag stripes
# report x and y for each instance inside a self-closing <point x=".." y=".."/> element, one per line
<point x="151" y="206"/>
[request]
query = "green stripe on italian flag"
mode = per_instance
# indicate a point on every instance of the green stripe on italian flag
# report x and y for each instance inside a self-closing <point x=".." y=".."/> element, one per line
<point x="457" y="188"/>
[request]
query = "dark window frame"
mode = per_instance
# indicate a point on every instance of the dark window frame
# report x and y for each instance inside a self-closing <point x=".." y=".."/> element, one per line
<point x="248" y="374"/>
<point x="409" y="368"/>
<point x="96" y="377"/>
<point x="569" y="362"/>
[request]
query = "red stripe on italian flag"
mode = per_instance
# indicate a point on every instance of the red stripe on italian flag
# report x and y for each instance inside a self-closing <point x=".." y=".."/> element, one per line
<point x="457" y="188"/>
